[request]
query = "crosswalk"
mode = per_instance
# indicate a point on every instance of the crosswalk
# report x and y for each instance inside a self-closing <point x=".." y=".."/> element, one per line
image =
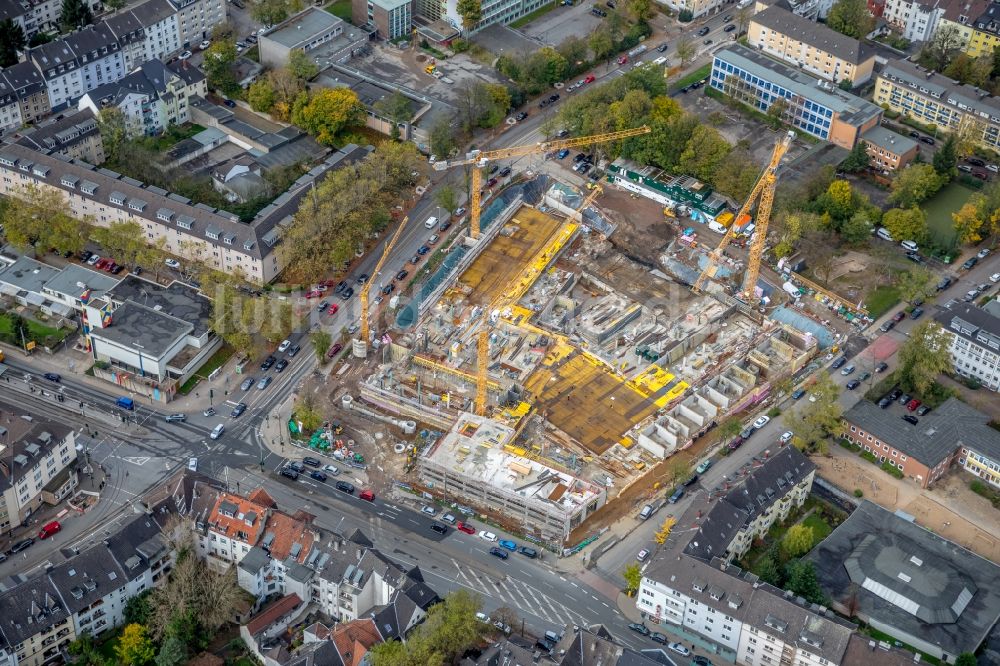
<point x="517" y="595"/>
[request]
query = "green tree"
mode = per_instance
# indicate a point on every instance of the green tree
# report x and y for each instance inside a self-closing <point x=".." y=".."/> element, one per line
<point x="302" y="65"/>
<point x="776" y="113"/>
<point x="269" y="12"/>
<point x="308" y="413"/>
<point x="84" y="652"/>
<point x="601" y="45"/>
<point x="906" y="223"/>
<point x="449" y="629"/>
<point x="946" y="159"/>
<point x="134" y="647"/>
<point x="704" y="153"/>
<point x="114" y="5"/>
<point x="471" y="12"/>
<point x="946" y="43"/>
<point x="75" y="14"/>
<point x="995" y="72"/>
<point x="639" y="10"/>
<point x="738" y="179"/>
<point x="326" y="112"/>
<point x="729" y="429"/>
<point x="816" y="420"/>
<point x="914" y="184"/>
<point x="801" y="579"/>
<point x="173" y="652"/>
<point x="769" y="571"/>
<point x="966" y="659"/>
<point x="396" y="107"/>
<point x="575" y="50"/>
<point x="123" y="240"/>
<point x="851" y="18"/>
<point x="917" y="283"/>
<point x="137" y="609"/>
<point x="446" y="197"/>
<point x="923" y="356"/>
<point x="442" y="137"/>
<point x="114" y="133"/>
<point x="217" y="64"/>
<point x="321" y="342"/>
<point x="11" y="41"/>
<point x="857" y="229"/>
<point x="632" y="574"/>
<point x="261" y="95"/>
<point x="685" y="51"/>
<point x="798" y="540"/>
<point x="838" y="200"/>
<point x="857" y="160"/>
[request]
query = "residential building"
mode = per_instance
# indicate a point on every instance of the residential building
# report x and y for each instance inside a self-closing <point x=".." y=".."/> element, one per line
<point x="975" y="342"/>
<point x="93" y="587"/>
<point x="907" y="582"/>
<point x="915" y="20"/>
<point x="233" y="527"/>
<point x="391" y="19"/>
<point x="35" y="623"/>
<point x="960" y="16"/>
<point x="161" y="26"/>
<point x="28" y="86"/>
<point x="439" y="20"/>
<point x="697" y="8"/>
<point x="37" y="465"/>
<point x="239" y="179"/>
<point x="985" y="35"/>
<point x="810" y="9"/>
<point x="887" y="150"/>
<point x="935" y="99"/>
<point x="766" y="496"/>
<point x="810" y="46"/>
<point x="75" y="135"/>
<point x="951" y="432"/>
<point x="79" y="62"/>
<point x="150" y="99"/>
<point x="310" y="30"/>
<point x="817" y="108"/>
<point x="196" y="18"/>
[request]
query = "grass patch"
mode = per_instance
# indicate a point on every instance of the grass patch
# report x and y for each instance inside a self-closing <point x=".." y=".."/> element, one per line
<point x="702" y="72"/>
<point x="172" y="135"/>
<point x="882" y="636"/>
<point x="217" y="360"/>
<point x="892" y="471"/>
<point x="880" y="300"/>
<point x="853" y="448"/>
<point x="340" y="8"/>
<point x="528" y="18"/>
<point x="37" y="331"/>
<point x="253" y="53"/>
<point x="983" y="490"/>
<point x="821" y="529"/>
<point x="940" y="226"/>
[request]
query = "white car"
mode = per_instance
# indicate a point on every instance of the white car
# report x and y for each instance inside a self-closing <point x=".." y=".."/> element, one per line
<point x="488" y="536"/>
<point x="483" y="617"/>
<point x="679" y="649"/>
<point x="995" y="277"/>
<point x="193" y="464"/>
<point x="204" y="45"/>
<point x="331" y="470"/>
<point x="982" y="254"/>
<point x="186" y="55"/>
<point x="94" y="258"/>
<point x="786" y="437"/>
<point x="285" y="344"/>
<point x="429" y="510"/>
<point x="217" y="431"/>
<point x="172" y="263"/>
<point x="642" y="555"/>
<point x="761" y="422"/>
<point x="993" y="167"/>
<point x="459" y="212"/>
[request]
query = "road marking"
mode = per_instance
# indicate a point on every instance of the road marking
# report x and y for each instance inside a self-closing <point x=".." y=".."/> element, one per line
<point x="137" y="460"/>
<point x="562" y="579"/>
<point x="594" y="598"/>
<point x="574" y="585"/>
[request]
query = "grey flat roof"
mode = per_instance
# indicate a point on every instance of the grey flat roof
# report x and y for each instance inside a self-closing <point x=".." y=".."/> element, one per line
<point x="180" y="301"/>
<point x="940" y="87"/>
<point x="814" y="34"/>
<point x="910" y="578"/>
<point x="889" y="140"/>
<point x="852" y="109"/>
<point x="303" y="27"/>
<point x="69" y="280"/>
<point x="28" y="274"/>
<point x="972" y="323"/>
<point x="152" y="332"/>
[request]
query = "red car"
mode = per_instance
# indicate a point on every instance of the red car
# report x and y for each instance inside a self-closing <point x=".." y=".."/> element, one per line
<point x="491" y="182"/>
<point x="622" y="60"/>
<point x="334" y="350"/>
<point x="913" y="404"/>
<point x="333" y="309"/>
<point x="102" y="264"/>
<point x="899" y="316"/>
<point x="49" y="529"/>
<point x="589" y="79"/>
<point x="327" y="283"/>
<point x="466" y="527"/>
<point x="314" y="293"/>
<point x="111" y="266"/>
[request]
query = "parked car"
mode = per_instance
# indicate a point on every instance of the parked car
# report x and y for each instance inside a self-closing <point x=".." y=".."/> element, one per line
<point x="916" y="313"/>
<point x="345" y="487"/>
<point x="521" y="116"/>
<point x="466" y="527"/>
<point x="848" y="370"/>
<point x="679" y="649"/>
<point x="285" y="344"/>
<point x="290" y="473"/>
<point x="508" y="544"/>
<point x="334" y="350"/>
<point x="639" y="628"/>
<point x="318" y="475"/>
<point x="703" y="467"/>
<point x="761" y="422"/>
<point x="853" y="384"/>
<point x="881" y="367"/>
<point x="657" y="637"/>
<point x="499" y="552"/>
<point x="172" y="263"/>
<point x="798" y="393"/>
<point x="247" y="383"/>
<point x="642" y="555"/>
<point x="836" y="365"/>
<point x="923" y="409"/>
<point x="969" y="263"/>
<point x="528" y="552"/>
<point x="264" y="382"/>
<point x="909" y="418"/>
<point x="312" y="462"/>
<point x="281" y="364"/>
<point x="175" y="418"/>
<point x="488" y="536"/>
<point x="268" y="362"/>
<point x="439" y="528"/>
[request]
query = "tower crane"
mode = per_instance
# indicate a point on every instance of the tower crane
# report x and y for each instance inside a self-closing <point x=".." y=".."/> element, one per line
<point x="763" y="194"/>
<point x="480" y="158"/>
<point x="483" y="339"/>
<point x="361" y="343"/>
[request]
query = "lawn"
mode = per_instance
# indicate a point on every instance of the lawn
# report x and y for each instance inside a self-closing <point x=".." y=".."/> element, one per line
<point x="37" y="332"/>
<point x="340" y="8"/>
<point x="939" y="208"/>
<point x="172" y="135"/>
<point x="821" y="529"/>
<point x="528" y="18"/>
<point x="697" y="75"/>
<point x="217" y="360"/>
<point x="880" y="300"/>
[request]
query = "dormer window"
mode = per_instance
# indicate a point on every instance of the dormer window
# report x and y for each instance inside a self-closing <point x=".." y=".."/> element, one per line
<point x="164" y="214"/>
<point x="213" y="232"/>
<point x="185" y="221"/>
<point x="137" y="205"/>
<point x="117" y="198"/>
<point x="69" y="181"/>
<point x="229" y="239"/>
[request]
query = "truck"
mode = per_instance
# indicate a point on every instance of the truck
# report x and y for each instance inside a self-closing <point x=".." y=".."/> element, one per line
<point x="639" y="50"/>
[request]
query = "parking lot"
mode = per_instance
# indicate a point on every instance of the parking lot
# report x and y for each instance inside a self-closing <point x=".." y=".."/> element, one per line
<point x="563" y="22"/>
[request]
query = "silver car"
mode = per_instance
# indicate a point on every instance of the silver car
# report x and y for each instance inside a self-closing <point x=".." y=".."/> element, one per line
<point x="247" y="383"/>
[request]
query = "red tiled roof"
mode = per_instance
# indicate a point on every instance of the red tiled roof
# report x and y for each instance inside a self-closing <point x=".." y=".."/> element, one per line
<point x="287" y="532"/>
<point x="237" y="526"/>
<point x="273" y="613"/>
<point x="261" y="497"/>
<point x="354" y="639"/>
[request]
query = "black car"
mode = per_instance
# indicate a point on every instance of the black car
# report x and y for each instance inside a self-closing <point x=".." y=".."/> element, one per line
<point x="521" y="116"/>
<point x="52" y="376"/>
<point x="839" y="362"/>
<point x="345" y="487"/>
<point x="290" y="473"/>
<point x="881" y="367"/>
<point x="703" y="31"/>
<point x="388" y="289"/>
<point x="700" y="661"/>
<point x="295" y="349"/>
<point x="926" y="139"/>
<point x="401" y="275"/>
<point x="238" y="409"/>
<point x="657" y="637"/>
<point x="506" y="171"/>
<point x="895" y="393"/>
<point x="853" y="384"/>
<point x="909" y="418"/>
<point x="662" y="47"/>
<point x="904" y="398"/>
<point x="439" y="528"/>
<point x="917" y="313"/>
<point x="85" y="254"/>
<point x="341" y="286"/>
<point x="691" y="481"/>
<point x="639" y="628"/>
<point x="970" y="262"/>
<point x="887" y="326"/>
<point x="422" y="250"/>
<point x="296" y="465"/>
<point x="312" y="462"/>
<point x="21" y="545"/>
<point x="884" y="403"/>
<point x="499" y="552"/>
<point x="729" y="28"/>
<point x="361" y="279"/>
<point x="922" y="409"/>
<point x="914" y="134"/>
<point x="281" y="365"/>
<point x="347" y="293"/>
<point x="268" y="362"/>
<point x="944" y="284"/>
<point x="319" y="476"/>
<point x="554" y="98"/>
<point x="528" y="552"/>
<point x="914" y="257"/>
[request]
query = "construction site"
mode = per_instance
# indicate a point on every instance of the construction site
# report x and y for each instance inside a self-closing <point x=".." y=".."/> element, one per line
<point x="549" y="372"/>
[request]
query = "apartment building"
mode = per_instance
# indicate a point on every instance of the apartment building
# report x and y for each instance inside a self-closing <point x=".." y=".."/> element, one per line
<point x="75" y="135"/>
<point x="79" y="62"/>
<point x="766" y="496"/>
<point x="150" y="99"/>
<point x="811" y="46"/>
<point x="985" y="35"/>
<point x="934" y="99"/>
<point x="37" y="465"/>
<point x="959" y="15"/>
<point x="29" y="88"/>
<point x="809" y="9"/>
<point x="887" y="150"/>
<point x="817" y="108"/>
<point x="389" y="18"/>
<point x="35" y="623"/>
<point x="196" y="18"/>
<point x="975" y="342"/>
<point x="915" y="20"/>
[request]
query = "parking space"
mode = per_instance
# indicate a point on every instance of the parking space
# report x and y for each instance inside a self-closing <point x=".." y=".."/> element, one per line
<point x="563" y="22"/>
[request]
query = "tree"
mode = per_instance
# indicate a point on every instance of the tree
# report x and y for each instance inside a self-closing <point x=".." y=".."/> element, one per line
<point x="173" y="652"/>
<point x="838" y="201"/>
<point x="685" y="16"/>
<point x="301" y="65"/>
<point x="946" y="43"/>
<point x="770" y="571"/>
<point x="915" y="284"/>
<point x="505" y="615"/>
<point x="686" y="51"/>
<point x="776" y="112"/>
<point x="75" y="14"/>
<point x="449" y="629"/>
<point x="321" y="342"/>
<point x="966" y="659"/>
<point x="601" y="44"/>
<point x="471" y="12"/>
<point x="261" y="95"/>
<point x="743" y="15"/>
<point x="114" y="132"/>
<point x="818" y="419"/>
<point x="134" y="648"/>
<point x="123" y="240"/>
<point x="36" y="218"/>
<point x="639" y="11"/>
<point x="738" y="179"/>
<point x="11" y="41"/>
<point x="326" y="112"/>
<point x="217" y="63"/>
<point x="914" y="184"/>
<point x="857" y="160"/>
<point x="729" y="429"/>
<point x="946" y="158"/>
<point x="575" y="50"/>
<point x="632" y="574"/>
<point x="115" y="5"/>
<point x="269" y="12"/>
<point x="923" y="356"/>
<point x="704" y="153"/>
<point x="195" y="601"/>
<point x="857" y="229"/>
<point x="966" y="69"/>
<point x="137" y="609"/>
<point x="84" y="652"/>
<point x="446" y="197"/>
<point x="442" y="137"/>
<point x="995" y="72"/>
<point x="906" y="223"/>
<point x="396" y="107"/>
<point x="968" y="220"/>
<point x="801" y="579"/>
<point x="798" y="540"/>
<point x="851" y="18"/>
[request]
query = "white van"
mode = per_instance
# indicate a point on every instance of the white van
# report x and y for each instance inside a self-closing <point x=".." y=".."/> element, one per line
<point x="431" y="222"/>
<point x="217" y="431"/>
<point x="716" y="227"/>
<point x="884" y="234"/>
<point x="909" y="245"/>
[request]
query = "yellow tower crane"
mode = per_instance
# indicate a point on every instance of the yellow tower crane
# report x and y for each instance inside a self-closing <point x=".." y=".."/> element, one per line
<point x="361" y="343"/>
<point x="480" y="158"/>
<point x="763" y="191"/>
<point x="483" y="340"/>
